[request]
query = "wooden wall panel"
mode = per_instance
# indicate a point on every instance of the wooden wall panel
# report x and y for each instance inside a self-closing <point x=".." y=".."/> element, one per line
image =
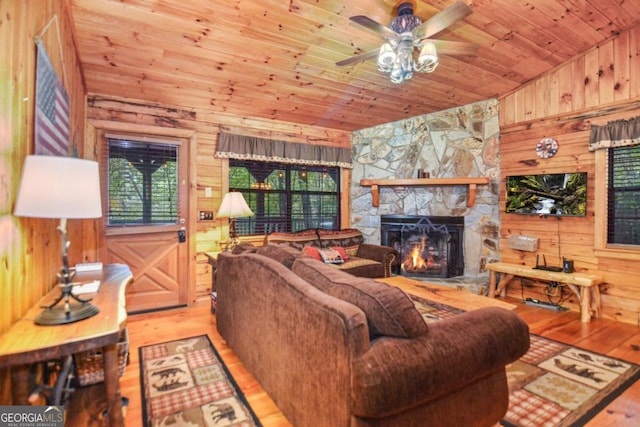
<point x="598" y="87"/>
<point x="605" y="75"/>
<point x="210" y="171"/>
<point x="30" y="248"/>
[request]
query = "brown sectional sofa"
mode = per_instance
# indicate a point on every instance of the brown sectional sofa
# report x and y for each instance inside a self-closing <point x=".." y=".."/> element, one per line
<point x="364" y="259"/>
<point x="335" y="350"/>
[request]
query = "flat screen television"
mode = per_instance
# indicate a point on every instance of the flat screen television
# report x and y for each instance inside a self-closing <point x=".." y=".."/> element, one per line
<point x="550" y="194"/>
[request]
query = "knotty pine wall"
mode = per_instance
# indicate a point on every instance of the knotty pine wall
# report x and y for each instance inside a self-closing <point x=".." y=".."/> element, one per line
<point x="600" y="86"/>
<point x="210" y="172"/>
<point x="30" y="249"/>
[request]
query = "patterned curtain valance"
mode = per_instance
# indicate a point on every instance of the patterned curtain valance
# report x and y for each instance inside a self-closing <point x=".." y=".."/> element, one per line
<point x="619" y="133"/>
<point x="252" y="148"/>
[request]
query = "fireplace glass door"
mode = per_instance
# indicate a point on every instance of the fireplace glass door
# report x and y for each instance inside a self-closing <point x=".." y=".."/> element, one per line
<point x="428" y="246"/>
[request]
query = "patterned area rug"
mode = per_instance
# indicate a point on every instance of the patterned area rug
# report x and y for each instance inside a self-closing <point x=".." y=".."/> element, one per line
<point x="185" y="383"/>
<point x="554" y="384"/>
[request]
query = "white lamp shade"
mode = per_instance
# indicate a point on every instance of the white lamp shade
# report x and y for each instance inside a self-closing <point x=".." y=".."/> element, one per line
<point x="234" y="206"/>
<point x="59" y="187"/>
<point x="428" y="57"/>
<point x="386" y="57"/>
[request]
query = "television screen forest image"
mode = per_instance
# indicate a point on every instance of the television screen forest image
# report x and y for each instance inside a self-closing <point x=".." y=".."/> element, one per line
<point x="552" y="194"/>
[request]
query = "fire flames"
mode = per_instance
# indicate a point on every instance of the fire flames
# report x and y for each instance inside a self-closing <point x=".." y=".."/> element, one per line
<point x="419" y="259"/>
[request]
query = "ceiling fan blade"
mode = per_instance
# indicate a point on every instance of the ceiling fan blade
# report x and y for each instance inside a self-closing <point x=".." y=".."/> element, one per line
<point x="374" y="26"/>
<point x="442" y="20"/>
<point x="449" y="47"/>
<point x="358" y="58"/>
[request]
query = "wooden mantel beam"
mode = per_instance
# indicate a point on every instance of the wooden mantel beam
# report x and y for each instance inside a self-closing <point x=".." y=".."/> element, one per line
<point x="471" y="182"/>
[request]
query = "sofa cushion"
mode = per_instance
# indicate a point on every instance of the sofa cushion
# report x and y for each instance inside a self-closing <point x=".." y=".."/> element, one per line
<point x="389" y="311"/>
<point x="361" y="267"/>
<point x="298" y="240"/>
<point x="282" y="253"/>
<point x="349" y="238"/>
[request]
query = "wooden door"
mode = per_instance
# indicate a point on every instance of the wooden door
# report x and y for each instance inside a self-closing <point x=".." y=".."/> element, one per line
<point x="156" y="254"/>
<point x="158" y="261"/>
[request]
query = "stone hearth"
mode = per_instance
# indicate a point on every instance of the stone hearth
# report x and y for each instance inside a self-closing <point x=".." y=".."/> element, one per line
<point x="460" y="142"/>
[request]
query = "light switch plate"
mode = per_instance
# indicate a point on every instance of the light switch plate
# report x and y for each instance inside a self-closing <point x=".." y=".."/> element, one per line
<point x="205" y="216"/>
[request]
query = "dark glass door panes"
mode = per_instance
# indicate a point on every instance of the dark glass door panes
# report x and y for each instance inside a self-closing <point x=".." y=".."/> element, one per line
<point x="143" y="183"/>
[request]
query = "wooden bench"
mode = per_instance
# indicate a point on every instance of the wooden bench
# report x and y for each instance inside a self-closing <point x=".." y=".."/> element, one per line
<point x="584" y="286"/>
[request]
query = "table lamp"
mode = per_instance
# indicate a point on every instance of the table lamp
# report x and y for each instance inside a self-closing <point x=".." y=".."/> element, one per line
<point x="233" y="206"/>
<point x="61" y="188"/>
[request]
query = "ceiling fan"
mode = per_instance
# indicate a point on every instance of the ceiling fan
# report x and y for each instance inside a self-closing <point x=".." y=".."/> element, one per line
<point x="406" y="33"/>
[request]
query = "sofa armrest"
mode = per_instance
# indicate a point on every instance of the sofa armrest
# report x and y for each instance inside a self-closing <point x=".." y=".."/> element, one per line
<point x="456" y="352"/>
<point x="383" y="254"/>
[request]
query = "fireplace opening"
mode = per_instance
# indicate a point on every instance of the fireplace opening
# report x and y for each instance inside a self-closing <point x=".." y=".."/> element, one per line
<point x="429" y="246"/>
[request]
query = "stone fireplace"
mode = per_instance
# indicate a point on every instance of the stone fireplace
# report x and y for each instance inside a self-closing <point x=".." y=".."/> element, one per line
<point x="428" y="246"/>
<point x="461" y="142"/>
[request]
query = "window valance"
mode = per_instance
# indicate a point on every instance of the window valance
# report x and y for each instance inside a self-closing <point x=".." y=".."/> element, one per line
<point x="251" y="148"/>
<point x="618" y="133"/>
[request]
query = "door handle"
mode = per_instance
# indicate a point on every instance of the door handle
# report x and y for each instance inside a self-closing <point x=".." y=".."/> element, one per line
<point x="182" y="236"/>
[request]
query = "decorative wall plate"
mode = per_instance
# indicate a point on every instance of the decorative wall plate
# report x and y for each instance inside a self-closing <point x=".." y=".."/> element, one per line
<point x="547" y="147"/>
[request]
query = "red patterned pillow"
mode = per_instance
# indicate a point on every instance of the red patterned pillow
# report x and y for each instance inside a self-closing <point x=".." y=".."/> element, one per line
<point x="342" y="251"/>
<point x="312" y="252"/>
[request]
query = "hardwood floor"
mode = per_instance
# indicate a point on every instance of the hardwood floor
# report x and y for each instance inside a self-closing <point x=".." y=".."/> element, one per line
<point x="601" y="335"/>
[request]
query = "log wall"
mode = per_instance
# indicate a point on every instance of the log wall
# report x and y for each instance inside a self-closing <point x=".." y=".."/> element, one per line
<point x="600" y="86"/>
<point x="210" y="172"/>
<point x="30" y="250"/>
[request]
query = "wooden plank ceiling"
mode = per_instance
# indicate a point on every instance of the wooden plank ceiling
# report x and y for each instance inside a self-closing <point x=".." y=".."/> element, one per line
<point x="275" y="59"/>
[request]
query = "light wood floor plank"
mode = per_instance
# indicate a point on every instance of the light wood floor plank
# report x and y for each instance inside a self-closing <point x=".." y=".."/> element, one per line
<point x="602" y="335"/>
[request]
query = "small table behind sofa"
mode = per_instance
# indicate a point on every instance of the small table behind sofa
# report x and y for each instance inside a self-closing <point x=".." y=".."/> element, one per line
<point x="364" y="260"/>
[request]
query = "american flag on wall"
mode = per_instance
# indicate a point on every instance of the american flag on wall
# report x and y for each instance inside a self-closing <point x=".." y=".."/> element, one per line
<point x="52" y="109"/>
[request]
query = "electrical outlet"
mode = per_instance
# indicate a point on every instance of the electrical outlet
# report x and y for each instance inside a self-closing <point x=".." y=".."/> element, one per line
<point x="205" y="216"/>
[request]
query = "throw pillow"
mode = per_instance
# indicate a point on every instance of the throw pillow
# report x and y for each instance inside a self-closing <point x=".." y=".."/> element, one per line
<point x="342" y="251"/>
<point x="331" y="256"/>
<point x="312" y="252"/>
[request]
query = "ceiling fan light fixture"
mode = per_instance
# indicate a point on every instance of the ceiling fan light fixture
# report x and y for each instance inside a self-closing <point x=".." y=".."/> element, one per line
<point x="386" y="58"/>
<point x="408" y="34"/>
<point x="428" y="59"/>
<point x="398" y="75"/>
<point x="406" y="21"/>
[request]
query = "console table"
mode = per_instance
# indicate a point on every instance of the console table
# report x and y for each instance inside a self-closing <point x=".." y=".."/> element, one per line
<point x="26" y="343"/>
<point x="584" y="286"/>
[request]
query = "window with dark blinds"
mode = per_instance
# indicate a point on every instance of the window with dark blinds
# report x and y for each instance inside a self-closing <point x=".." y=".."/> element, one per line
<point x="142" y="183"/>
<point x="286" y="197"/>
<point x="624" y="195"/>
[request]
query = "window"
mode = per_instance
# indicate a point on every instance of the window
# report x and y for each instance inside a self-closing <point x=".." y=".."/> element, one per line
<point x="142" y="183"/>
<point x="286" y="197"/>
<point x="623" y="195"/>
